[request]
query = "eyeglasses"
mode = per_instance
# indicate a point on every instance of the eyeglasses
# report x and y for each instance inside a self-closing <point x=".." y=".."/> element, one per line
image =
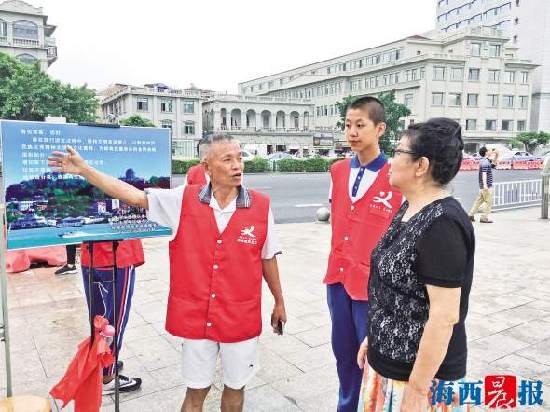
<point x="398" y="151"/>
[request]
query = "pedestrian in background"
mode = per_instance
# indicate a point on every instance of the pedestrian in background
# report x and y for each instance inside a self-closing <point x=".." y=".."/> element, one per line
<point x="484" y="200"/>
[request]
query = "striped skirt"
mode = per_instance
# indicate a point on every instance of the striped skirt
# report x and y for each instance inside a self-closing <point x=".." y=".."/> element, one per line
<point x="379" y="394"/>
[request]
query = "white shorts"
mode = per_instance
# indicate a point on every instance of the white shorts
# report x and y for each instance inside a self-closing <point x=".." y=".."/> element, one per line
<point x="240" y="362"/>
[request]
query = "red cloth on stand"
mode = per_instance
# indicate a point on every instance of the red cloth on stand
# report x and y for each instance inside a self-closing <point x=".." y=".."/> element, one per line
<point x="83" y="380"/>
<point x="20" y="260"/>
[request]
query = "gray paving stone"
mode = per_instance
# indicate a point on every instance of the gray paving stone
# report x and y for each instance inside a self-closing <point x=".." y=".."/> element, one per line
<point x="507" y="323"/>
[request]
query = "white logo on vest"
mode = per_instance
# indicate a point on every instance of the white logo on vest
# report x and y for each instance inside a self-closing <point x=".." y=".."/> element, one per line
<point x="384" y="198"/>
<point x="247" y="236"/>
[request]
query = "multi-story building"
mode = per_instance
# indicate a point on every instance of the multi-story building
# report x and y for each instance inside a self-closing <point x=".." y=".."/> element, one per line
<point x="26" y="34"/>
<point x="473" y="76"/>
<point x="262" y="124"/>
<point x="525" y="22"/>
<point x="176" y="109"/>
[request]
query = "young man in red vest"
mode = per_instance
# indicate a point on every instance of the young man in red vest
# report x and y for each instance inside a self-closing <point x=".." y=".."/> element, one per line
<point x="223" y="245"/>
<point x="129" y="255"/>
<point x="362" y="206"/>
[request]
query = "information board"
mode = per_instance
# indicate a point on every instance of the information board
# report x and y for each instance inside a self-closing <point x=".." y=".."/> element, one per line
<point x="45" y="208"/>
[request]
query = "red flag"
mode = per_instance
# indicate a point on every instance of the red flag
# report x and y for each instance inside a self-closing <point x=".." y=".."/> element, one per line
<point x="83" y="380"/>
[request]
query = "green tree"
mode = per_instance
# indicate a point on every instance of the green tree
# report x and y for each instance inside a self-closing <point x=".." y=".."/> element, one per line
<point x="394" y="112"/>
<point x="138" y="121"/>
<point x="27" y="93"/>
<point x="530" y="140"/>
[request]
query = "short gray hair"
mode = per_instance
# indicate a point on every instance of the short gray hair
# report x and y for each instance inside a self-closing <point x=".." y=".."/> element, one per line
<point x="206" y="142"/>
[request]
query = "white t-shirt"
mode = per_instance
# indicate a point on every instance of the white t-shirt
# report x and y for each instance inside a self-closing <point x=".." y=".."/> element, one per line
<point x="369" y="176"/>
<point x="165" y="209"/>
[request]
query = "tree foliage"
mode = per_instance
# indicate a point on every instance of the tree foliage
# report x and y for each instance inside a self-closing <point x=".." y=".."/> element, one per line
<point x="531" y="140"/>
<point x="137" y="121"/>
<point x="27" y="93"/>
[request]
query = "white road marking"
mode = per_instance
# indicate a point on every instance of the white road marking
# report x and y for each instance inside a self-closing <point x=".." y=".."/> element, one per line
<point x="309" y="205"/>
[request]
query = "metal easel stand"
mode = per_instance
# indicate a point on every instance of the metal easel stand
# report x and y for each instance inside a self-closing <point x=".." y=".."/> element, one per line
<point x="4" y="328"/>
<point x="115" y="320"/>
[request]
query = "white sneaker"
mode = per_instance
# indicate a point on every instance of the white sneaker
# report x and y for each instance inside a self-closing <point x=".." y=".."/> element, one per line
<point x="125" y="384"/>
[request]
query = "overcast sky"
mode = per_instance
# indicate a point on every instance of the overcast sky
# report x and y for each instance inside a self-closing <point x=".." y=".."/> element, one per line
<point x="217" y="43"/>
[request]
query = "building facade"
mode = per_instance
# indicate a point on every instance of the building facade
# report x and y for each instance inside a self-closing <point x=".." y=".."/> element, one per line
<point x="179" y="110"/>
<point x="25" y="33"/>
<point x="473" y="76"/>
<point x="263" y="125"/>
<point x="525" y="23"/>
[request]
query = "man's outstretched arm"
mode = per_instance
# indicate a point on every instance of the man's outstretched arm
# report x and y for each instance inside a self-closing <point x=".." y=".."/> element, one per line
<point x="72" y="163"/>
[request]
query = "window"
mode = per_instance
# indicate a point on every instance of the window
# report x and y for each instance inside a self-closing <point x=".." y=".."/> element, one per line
<point x="408" y="101"/>
<point x="509" y="76"/>
<point x="490" y="125"/>
<point x="143" y="104"/>
<point x="439" y="73"/>
<point x="437" y="99"/>
<point x="166" y="106"/>
<point x="472" y="100"/>
<point x="422" y="72"/>
<point x="507" y="125"/>
<point x="455" y="99"/>
<point x="25" y="30"/>
<point x="508" y="101"/>
<point x="475" y="49"/>
<point x="415" y="71"/>
<point x="521" y="125"/>
<point x="494" y="50"/>
<point x="457" y="73"/>
<point x="471" y="124"/>
<point x="492" y="100"/>
<point x="523" y="102"/>
<point x="494" y="76"/>
<point x="166" y="124"/>
<point x="188" y="106"/>
<point x="189" y="128"/>
<point x="26" y="58"/>
<point x="3" y="29"/>
<point x="473" y="74"/>
<point x="524" y="77"/>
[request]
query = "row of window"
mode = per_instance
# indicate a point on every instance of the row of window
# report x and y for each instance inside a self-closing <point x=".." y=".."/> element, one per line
<point x="371" y="60"/>
<point x="491" y="125"/>
<point x="188" y="126"/>
<point x="166" y="105"/>
<point x="474" y="74"/>
<point x="472" y="100"/>
<point x="21" y="29"/>
<point x="327" y="110"/>
<point x="477" y="20"/>
<point x="489" y="13"/>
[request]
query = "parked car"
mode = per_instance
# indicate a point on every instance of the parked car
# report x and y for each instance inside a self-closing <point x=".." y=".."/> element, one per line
<point x="246" y="155"/>
<point x="275" y="157"/>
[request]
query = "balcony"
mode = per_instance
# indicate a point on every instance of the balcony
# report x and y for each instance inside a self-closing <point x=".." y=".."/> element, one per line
<point x="51" y="52"/>
<point x="25" y="42"/>
<point x="3" y="40"/>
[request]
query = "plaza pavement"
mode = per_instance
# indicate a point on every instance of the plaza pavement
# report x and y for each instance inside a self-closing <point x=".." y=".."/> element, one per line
<point x="508" y="322"/>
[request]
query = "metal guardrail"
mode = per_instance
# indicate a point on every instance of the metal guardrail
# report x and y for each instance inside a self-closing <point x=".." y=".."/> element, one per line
<point x="521" y="193"/>
<point x="545" y="195"/>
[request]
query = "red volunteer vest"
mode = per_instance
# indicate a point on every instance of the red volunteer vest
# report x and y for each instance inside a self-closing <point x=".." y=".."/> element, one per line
<point x="129" y="252"/>
<point x="195" y="175"/>
<point x="357" y="228"/>
<point x="216" y="279"/>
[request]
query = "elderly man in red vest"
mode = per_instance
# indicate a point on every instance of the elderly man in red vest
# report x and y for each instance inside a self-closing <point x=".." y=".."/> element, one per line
<point x="223" y="244"/>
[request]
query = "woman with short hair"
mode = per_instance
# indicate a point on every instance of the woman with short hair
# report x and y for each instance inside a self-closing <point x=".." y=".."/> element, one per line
<point x="421" y="275"/>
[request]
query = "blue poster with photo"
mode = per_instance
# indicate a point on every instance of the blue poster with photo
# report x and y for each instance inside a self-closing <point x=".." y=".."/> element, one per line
<point x="45" y="208"/>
